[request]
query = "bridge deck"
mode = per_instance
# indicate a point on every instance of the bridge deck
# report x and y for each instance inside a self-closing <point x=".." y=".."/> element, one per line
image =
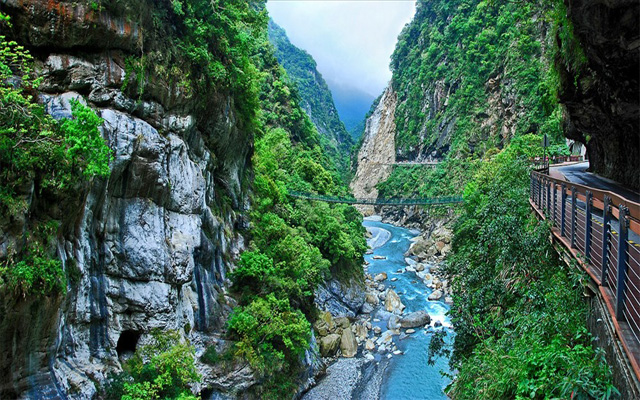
<point x="376" y="202"/>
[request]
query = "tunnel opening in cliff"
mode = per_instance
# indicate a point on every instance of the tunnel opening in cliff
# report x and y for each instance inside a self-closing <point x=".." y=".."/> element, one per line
<point x="127" y="342"/>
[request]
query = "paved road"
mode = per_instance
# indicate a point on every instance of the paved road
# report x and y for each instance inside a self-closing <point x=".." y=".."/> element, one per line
<point x="577" y="173"/>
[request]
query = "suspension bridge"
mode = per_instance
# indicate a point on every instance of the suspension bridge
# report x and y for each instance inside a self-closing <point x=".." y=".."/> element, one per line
<point x="410" y="163"/>
<point x="433" y="201"/>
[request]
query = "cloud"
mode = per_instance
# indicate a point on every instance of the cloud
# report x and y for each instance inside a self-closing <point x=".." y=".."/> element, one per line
<point x="351" y="41"/>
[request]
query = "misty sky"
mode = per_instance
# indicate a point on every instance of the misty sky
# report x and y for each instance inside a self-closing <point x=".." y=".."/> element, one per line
<point x="351" y="41"/>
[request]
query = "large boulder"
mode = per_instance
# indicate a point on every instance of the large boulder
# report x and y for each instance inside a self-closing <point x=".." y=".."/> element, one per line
<point x="392" y="302"/>
<point x="442" y="234"/>
<point x="329" y="345"/>
<point x="361" y="332"/>
<point x="366" y="308"/>
<point x="348" y="344"/>
<point x="369" y="345"/>
<point x="340" y="299"/>
<point x="415" y="319"/>
<point x="393" y="322"/>
<point x="325" y="324"/>
<point x="380" y="277"/>
<point x="342" y="322"/>
<point x="436" y="295"/>
<point x="372" y="299"/>
<point x="321" y="328"/>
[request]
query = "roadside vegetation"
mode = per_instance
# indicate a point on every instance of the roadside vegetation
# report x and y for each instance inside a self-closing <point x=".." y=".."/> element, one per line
<point x="519" y="313"/>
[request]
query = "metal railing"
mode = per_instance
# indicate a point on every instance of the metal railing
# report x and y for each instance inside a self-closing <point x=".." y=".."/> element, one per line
<point x="378" y="201"/>
<point x="602" y="230"/>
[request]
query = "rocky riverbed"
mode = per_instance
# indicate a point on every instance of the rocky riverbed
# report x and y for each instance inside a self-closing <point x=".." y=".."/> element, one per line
<point x="380" y="352"/>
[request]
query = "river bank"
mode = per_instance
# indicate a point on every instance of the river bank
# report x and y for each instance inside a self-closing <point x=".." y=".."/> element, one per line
<point x="404" y="305"/>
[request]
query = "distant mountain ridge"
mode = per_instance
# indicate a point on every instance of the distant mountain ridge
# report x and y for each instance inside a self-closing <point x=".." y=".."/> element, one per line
<point x="353" y="105"/>
<point x="316" y="96"/>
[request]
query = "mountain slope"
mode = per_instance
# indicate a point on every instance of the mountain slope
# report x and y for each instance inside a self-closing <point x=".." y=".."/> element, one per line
<point x="315" y="95"/>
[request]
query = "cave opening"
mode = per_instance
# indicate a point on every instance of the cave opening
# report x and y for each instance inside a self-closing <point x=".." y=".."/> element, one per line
<point x="127" y="342"/>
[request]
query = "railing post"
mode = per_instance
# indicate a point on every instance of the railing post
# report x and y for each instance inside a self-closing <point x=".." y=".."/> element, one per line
<point x="587" y="225"/>
<point x="543" y="183"/>
<point x="623" y="235"/>
<point x="548" y="196"/>
<point x="563" y="198"/>
<point x="537" y="200"/>
<point x="542" y="193"/>
<point x="606" y="231"/>
<point x="574" y="203"/>
<point x="555" y="200"/>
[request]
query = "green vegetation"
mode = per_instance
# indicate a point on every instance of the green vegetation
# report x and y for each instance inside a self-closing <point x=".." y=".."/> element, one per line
<point x="295" y="246"/>
<point x="315" y="95"/>
<point x="464" y="44"/>
<point x="39" y="157"/>
<point x="193" y="48"/>
<point x="478" y="56"/>
<point x="518" y="309"/>
<point x="163" y="369"/>
<point x="211" y="356"/>
<point x="35" y="272"/>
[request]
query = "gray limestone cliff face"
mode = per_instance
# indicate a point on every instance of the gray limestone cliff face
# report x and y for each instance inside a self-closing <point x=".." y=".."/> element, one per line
<point x="602" y="99"/>
<point x="377" y="153"/>
<point x="152" y="243"/>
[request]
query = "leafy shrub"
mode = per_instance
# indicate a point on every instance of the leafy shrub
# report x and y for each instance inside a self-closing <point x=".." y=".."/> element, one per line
<point x="36" y="274"/>
<point x="34" y="271"/>
<point x="270" y="333"/>
<point x="52" y="156"/>
<point x="85" y="146"/>
<point x="210" y="356"/>
<point x="163" y="369"/>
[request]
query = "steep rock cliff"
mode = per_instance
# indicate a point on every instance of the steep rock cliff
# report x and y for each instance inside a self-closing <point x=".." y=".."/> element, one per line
<point x="377" y="153"/>
<point x="152" y="242"/>
<point x="601" y="92"/>
<point x="470" y="76"/>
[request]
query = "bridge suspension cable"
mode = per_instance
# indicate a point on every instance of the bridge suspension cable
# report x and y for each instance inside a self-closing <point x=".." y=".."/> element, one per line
<point x="371" y="201"/>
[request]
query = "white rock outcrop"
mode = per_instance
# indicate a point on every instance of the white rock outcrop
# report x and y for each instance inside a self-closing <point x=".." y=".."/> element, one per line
<point x="378" y="151"/>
